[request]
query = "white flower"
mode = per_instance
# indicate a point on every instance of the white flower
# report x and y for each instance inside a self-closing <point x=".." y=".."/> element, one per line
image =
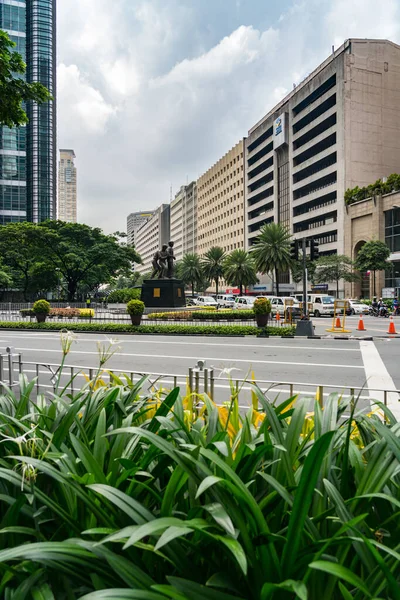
<point x="227" y="371"/>
<point x="67" y="338"/>
<point x="106" y="352"/>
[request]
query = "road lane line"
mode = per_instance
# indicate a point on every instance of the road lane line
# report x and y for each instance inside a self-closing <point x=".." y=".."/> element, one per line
<point x="209" y="358"/>
<point x="378" y="377"/>
<point x="209" y="345"/>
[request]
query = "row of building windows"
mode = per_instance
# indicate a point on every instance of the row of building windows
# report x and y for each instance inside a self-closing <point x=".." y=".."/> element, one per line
<point x="223" y="170"/>
<point x="316" y="222"/>
<point x="317" y="166"/>
<point x="321" y="202"/>
<point x="12" y="18"/>
<point x="314" y="186"/>
<point x="262" y="138"/>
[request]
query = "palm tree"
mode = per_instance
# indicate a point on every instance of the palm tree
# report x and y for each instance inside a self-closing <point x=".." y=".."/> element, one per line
<point x="213" y="265"/>
<point x="271" y="250"/>
<point x="239" y="269"/>
<point x="189" y="270"/>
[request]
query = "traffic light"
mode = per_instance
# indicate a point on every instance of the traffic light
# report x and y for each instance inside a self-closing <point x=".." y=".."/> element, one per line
<point x="314" y="253"/>
<point x="294" y="250"/>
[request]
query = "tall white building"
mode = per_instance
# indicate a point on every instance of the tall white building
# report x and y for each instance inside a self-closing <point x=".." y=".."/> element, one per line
<point x="67" y="187"/>
<point x="151" y="236"/>
<point x="184" y="220"/>
<point x="134" y="222"/>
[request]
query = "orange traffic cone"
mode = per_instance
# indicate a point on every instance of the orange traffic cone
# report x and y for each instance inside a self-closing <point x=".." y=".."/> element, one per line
<point x="278" y="316"/>
<point x="361" y="324"/>
<point x="338" y="324"/>
<point x="392" y="328"/>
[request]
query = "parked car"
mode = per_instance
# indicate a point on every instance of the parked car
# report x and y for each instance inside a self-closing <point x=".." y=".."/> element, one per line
<point x="225" y="301"/>
<point x="356" y="307"/>
<point x="322" y="304"/>
<point x="244" y="302"/>
<point x="206" y="301"/>
<point x="278" y="303"/>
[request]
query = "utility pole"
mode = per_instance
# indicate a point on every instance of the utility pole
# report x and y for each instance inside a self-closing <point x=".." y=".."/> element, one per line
<point x="305" y="305"/>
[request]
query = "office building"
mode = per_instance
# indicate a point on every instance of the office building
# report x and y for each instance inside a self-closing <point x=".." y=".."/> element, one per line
<point x="376" y="218"/>
<point x="220" y="203"/>
<point x="134" y="222"/>
<point x="337" y="129"/>
<point x="151" y="236"/>
<point x="28" y="154"/>
<point x="67" y="187"/>
<point x="184" y="220"/>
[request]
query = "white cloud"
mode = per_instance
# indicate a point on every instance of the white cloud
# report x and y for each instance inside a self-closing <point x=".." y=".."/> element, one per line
<point x="82" y="108"/>
<point x="152" y="92"/>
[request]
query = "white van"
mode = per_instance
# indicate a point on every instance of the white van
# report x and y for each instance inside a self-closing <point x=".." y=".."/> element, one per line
<point x="225" y="301"/>
<point x="322" y="304"/>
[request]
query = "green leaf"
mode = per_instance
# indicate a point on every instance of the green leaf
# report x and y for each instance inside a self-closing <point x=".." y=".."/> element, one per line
<point x="236" y="549"/>
<point x="297" y="587"/>
<point x="123" y="594"/>
<point x="303" y="499"/>
<point x="195" y="591"/>
<point x="171" y="534"/>
<point x="341" y="573"/>
<point x="219" y="514"/>
<point x="206" y="483"/>
<point x="138" y="513"/>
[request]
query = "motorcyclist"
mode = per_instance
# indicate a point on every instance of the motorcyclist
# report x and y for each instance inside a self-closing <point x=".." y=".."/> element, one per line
<point x="382" y="307"/>
<point x="374" y="306"/>
<point x="395" y="306"/>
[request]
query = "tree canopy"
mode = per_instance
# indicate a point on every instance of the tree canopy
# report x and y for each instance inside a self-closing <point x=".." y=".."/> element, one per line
<point x="373" y="256"/>
<point x="190" y="271"/>
<point x="333" y="268"/>
<point x="239" y="269"/>
<point x="14" y="90"/>
<point x="213" y="265"/>
<point x="271" y="250"/>
<point x="41" y="255"/>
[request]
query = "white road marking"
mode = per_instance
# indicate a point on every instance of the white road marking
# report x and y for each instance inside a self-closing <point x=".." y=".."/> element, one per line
<point x="209" y="358"/>
<point x="184" y="343"/>
<point x="378" y="377"/>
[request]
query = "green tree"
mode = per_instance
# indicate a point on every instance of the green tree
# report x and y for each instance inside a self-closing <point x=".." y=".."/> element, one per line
<point x="333" y="268"/>
<point x="239" y="269"/>
<point x="189" y="270"/>
<point x="373" y="257"/>
<point x="21" y="252"/>
<point x="271" y="250"/>
<point x="213" y="265"/>
<point x="82" y="256"/>
<point x="14" y="90"/>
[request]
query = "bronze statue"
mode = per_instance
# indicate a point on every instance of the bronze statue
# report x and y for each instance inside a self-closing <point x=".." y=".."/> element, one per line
<point x="160" y="263"/>
<point x="170" y="258"/>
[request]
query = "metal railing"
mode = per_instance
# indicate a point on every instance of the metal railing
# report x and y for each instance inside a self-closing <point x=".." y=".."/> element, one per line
<point x="200" y="379"/>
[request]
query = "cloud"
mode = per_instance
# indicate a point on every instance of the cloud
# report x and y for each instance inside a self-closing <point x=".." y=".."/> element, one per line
<point x="153" y="92"/>
<point x="82" y="108"/>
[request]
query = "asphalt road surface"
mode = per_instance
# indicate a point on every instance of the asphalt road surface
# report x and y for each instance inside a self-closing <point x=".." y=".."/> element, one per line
<point x="338" y="365"/>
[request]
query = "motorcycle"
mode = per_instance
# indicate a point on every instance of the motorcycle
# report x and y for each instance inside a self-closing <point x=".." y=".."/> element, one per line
<point x="382" y="311"/>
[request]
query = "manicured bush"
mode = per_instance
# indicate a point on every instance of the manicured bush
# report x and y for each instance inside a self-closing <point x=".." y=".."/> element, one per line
<point x="86" y="312"/>
<point x="41" y="307"/>
<point x="262" y="306"/>
<point x="129" y="490"/>
<point x="65" y="312"/>
<point x="202" y="315"/>
<point x="27" y="312"/>
<point x="135" y="307"/>
<point x="222" y="330"/>
<point x="124" y="295"/>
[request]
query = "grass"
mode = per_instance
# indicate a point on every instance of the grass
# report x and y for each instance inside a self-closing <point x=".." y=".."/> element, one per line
<point x="126" y="490"/>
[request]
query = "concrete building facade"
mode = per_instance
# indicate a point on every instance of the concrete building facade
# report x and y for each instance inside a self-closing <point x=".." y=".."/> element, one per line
<point x="151" y="236"/>
<point x="134" y="222"/>
<point x="220" y="203"/>
<point x="376" y="218"/>
<point x="337" y="129"/>
<point x="184" y="220"/>
<point x="67" y="187"/>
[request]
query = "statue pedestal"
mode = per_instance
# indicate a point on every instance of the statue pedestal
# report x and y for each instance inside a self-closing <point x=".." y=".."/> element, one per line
<point x="163" y="293"/>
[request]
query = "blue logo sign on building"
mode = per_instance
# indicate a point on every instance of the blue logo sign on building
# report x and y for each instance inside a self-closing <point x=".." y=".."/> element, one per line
<point x="278" y="126"/>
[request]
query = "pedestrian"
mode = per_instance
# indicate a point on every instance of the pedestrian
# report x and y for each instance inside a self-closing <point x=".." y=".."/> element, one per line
<point x="88" y="301"/>
<point x="396" y="306"/>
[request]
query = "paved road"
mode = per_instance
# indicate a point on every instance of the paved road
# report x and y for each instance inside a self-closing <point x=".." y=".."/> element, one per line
<point x="341" y="364"/>
<point x="375" y="327"/>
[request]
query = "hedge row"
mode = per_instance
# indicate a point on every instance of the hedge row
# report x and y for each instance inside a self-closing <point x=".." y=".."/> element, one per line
<point x="223" y="330"/>
<point x="123" y="296"/>
<point x="185" y="315"/>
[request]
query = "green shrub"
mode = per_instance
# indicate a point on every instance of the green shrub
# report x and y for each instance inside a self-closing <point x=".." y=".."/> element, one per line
<point x="124" y="295"/>
<point x="129" y="490"/>
<point x="262" y="306"/>
<point x="27" y="312"/>
<point x="220" y="315"/>
<point x="41" y="307"/>
<point x="86" y="312"/>
<point x="222" y="330"/>
<point x="135" y="307"/>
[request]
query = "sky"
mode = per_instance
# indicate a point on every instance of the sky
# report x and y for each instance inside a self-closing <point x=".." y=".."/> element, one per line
<point x="151" y="93"/>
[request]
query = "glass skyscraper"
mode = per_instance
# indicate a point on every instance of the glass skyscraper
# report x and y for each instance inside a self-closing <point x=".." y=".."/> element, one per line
<point x="28" y="154"/>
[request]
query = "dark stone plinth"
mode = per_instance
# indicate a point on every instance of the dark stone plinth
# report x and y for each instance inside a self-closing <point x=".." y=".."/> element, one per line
<point x="304" y="328"/>
<point x="163" y="293"/>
